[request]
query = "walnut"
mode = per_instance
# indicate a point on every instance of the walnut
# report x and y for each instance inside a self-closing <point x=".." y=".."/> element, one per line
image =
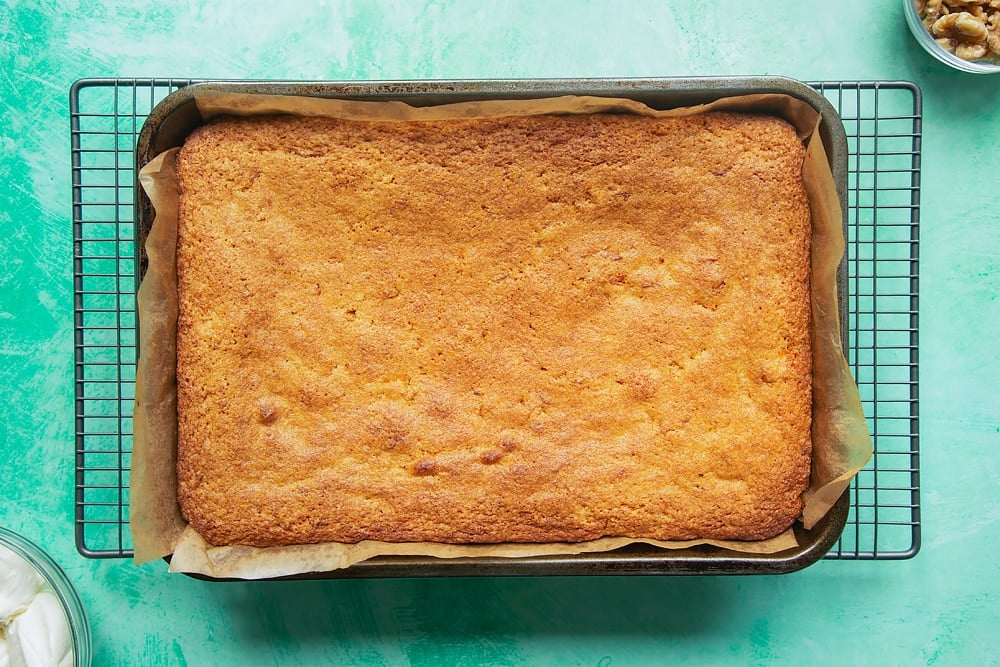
<point x="993" y="42"/>
<point x="993" y="32"/>
<point x="931" y="12"/>
<point x="946" y="44"/>
<point x="971" y="51"/>
<point x="962" y="26"/>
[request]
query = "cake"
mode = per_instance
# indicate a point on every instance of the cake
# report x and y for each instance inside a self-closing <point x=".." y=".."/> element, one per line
<point x="526" y="329"/>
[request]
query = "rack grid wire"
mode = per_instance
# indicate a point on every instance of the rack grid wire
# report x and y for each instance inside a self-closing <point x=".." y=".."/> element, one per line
<point x="883" y="125"/>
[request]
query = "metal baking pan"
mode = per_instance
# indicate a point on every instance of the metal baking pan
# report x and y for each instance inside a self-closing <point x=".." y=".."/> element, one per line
<point x="173" y="119"/>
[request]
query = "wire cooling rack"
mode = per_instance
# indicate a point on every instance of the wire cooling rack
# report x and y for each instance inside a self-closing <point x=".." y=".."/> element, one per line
<point x="883" y="124"/>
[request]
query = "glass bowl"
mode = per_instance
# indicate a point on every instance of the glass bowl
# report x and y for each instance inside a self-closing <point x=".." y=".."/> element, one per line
<point x="61" y="586"/>
<point x="925" y="40"/>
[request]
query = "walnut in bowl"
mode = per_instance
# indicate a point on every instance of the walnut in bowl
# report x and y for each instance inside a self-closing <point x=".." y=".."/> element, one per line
<point x="964" y="34"/>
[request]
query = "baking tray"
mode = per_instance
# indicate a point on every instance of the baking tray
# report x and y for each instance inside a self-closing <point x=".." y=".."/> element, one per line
<point x="883" y="121"/>
<point x="173" y="119"/>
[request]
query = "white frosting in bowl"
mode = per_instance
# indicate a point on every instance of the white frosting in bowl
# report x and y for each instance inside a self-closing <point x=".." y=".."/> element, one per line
<point x="34" y="627"/>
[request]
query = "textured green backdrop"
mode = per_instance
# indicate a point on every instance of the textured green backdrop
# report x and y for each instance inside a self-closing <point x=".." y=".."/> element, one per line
<point x="940" y="608"/>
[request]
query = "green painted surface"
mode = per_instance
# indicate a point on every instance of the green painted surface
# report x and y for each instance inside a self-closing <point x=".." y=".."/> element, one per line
<point x="939" y="608"/>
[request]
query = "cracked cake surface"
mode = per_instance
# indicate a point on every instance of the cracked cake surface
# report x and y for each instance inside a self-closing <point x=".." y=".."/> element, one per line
<point x="527" y="329"/>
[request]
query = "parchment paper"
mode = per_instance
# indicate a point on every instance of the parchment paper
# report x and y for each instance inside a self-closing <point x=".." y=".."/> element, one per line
<point x="841" y="443"/>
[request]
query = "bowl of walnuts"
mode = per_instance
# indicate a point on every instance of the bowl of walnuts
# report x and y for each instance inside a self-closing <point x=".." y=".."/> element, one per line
<point x="964" y="34"/>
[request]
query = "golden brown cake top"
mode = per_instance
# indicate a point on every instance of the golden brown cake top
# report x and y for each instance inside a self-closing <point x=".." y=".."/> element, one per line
<point x="524" y="329"/>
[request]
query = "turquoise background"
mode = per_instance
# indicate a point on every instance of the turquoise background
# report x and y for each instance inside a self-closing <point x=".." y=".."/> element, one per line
<point x="940" y="608"/>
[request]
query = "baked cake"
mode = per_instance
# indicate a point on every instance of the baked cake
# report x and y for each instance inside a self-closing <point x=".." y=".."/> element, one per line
<point x="528" y="329"/>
